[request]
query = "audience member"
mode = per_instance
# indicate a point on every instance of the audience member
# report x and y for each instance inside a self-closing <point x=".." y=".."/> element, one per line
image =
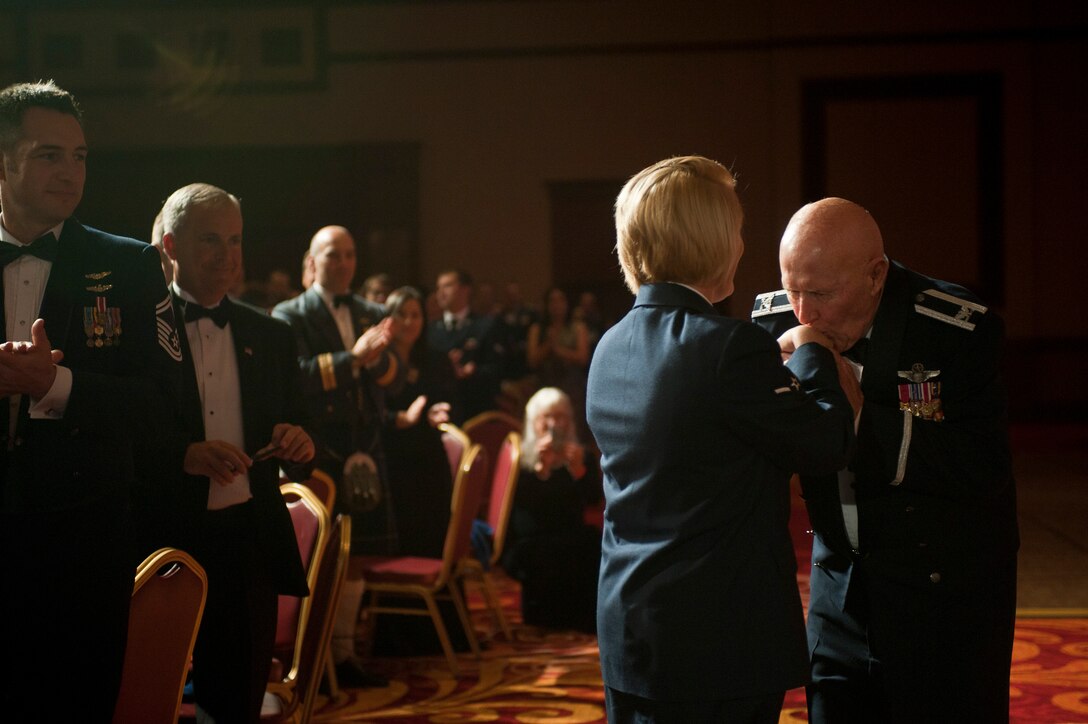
<point x="241" y="392"/>
<point x="342" y="342"/>
<point x="588" y="312"/>
<point x="913" y="598"/>
<point x="90" y="362"/>
<point x="471" y="343"/>
<point x="549" y="548"/>
<point x="517" y="317"/>
<point x="559" y="351"/>
<point x="377" y="287"/>
<point x="419" y="471"/>
<point x="699" y="425"/>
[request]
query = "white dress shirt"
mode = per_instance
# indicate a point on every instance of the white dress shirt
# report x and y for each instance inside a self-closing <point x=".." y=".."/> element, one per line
<point x="216" y="368"/>
<point x="24" y="287"/>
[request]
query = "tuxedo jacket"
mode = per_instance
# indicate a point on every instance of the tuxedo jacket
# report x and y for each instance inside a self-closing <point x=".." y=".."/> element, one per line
<point x="481" y="340"/>
<point x="700" y="426"/>
<point x="271" y="393"/>
<point x="106" y="308"/>
<point x="932" y="472"/>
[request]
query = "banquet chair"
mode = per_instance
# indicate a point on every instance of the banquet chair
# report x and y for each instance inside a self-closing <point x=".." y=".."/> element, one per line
<point x="167" y="605"/>
<point x="324" y="487"/>
<point x="489" y="429"/>
<point x="457" y="445"/>
<point x="295" y="703"/>
<point x="312" y="529"/>
<point x="500" y="501"/>
<point x="432" y="578"/>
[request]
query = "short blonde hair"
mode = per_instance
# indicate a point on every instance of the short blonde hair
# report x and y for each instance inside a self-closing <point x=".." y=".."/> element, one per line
<point x="679" y="221"/>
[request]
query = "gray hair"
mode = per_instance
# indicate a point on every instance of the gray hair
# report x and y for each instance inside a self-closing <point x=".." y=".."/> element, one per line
<point x="544" y="399"/>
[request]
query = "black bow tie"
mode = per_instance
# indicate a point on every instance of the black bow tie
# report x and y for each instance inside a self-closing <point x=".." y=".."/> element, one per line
<point x="859" y="351"/>
<point x="220" y="315"/>
<point x="44" y="247"/>
<point x="338" y="300"/>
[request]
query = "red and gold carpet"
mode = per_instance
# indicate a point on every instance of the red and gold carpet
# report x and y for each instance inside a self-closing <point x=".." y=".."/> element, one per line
<point x="554" y="677"/>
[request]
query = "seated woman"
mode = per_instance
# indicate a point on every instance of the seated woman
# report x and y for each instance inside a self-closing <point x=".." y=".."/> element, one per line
<point x="549" y="548"/>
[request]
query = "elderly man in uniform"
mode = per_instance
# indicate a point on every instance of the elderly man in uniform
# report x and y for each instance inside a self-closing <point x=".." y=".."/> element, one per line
<point x="914" y="561"/>
<point x="342" y="343"/>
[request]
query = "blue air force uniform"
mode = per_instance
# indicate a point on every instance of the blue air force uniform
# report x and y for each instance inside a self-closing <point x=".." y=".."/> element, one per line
<point x="922" y="596"/>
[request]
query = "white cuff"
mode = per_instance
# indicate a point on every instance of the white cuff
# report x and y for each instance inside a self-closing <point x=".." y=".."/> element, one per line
<point x="55" y="402"/>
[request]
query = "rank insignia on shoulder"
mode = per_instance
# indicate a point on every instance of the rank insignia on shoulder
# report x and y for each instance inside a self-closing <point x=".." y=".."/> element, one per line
<point x="921" y="396"/>
<point x="771" y="303"/>
<point x="947" y="308"/>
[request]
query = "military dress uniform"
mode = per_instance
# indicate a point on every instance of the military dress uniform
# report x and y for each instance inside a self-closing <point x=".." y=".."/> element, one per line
<point x="66" y="478"/>
<point x="913" y="586"/>
<point x="346" y="407"/>
<point x="478" y="339"/>
<point x="699" y="425"/>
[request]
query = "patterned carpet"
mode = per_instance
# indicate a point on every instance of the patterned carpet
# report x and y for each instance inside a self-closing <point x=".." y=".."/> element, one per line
<point x="554" y="677"/>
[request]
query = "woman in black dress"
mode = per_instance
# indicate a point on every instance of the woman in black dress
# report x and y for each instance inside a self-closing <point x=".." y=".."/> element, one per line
<point x="419" y="471"/>
<point x="550" y="549"/>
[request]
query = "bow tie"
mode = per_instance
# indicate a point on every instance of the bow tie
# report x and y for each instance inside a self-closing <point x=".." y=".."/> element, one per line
<point x="44" y="247"/>
<point x="339" y="300"/>
<point x="859" y="351"/>
<point x="220" y="315"/>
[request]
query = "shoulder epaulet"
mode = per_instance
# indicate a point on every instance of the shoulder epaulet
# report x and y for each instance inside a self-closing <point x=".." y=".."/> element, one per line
<point x="947" y="308"/>
<point x="771" y="303"/>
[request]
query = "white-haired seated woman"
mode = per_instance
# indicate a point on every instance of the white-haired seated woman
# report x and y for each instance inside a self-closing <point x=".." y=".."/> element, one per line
<point x="550" y="549"/>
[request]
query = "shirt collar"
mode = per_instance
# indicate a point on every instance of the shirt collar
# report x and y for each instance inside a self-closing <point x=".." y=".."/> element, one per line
<point x="7" y="237"/>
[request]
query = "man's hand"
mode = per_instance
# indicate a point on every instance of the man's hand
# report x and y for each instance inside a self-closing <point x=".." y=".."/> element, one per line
<point x="217" y="459"/>
<point x="461" y="371"/>
<point x="291" y="443"/>
<point x="373" y="342"/>
<point x="792" y="339"/>
<point x="29" y="367"/>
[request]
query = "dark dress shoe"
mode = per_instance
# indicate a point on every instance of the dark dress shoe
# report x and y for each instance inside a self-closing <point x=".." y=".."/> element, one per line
<point x="351" y="675"/>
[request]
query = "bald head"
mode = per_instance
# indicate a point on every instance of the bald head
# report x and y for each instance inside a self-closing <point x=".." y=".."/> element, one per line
<point x="833" y="266"/>
<point x="332" y="259"/>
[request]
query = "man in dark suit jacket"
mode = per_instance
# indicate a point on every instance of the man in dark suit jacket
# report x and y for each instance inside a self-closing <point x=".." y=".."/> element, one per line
<point x="914" y="563"/>
<point x="241" y="407"/>
<point x="78" y="425"/>
<point x="473" y="343"/>
<point x="700" y="425"/>
<point x="341" y="341"/>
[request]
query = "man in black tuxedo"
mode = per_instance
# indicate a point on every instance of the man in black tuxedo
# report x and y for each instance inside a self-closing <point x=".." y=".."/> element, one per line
<point x="241" y="407"/>
<point x="472" y="342"/>
<point x="90" y="360"/>
<point x="341" y="341"/>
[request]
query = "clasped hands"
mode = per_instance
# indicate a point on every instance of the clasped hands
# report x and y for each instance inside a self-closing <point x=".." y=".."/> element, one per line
<point x="793" y="338"/>
<point x="550" y="455"/>
<point x="222" y="462"/>
<point x="29" y="367"/>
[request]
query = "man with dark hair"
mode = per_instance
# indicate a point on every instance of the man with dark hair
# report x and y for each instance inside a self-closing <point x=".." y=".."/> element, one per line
<point x="90" y="357"/>
<point x="471" y="342"/>
<point x="241" y="407"/>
